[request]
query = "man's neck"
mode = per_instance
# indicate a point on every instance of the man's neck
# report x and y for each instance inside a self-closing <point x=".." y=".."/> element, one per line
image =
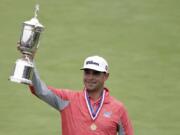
<point x="95" y="94"/>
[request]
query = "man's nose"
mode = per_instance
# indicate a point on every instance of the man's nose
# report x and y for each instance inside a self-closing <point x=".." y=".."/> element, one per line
<point x="90" y="75"/>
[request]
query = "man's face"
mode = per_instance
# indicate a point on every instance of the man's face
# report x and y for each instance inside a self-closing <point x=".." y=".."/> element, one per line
<point x="94" y="80"/>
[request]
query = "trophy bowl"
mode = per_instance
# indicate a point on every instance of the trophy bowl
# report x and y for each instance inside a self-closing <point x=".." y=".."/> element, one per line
<point x="29" y="39"/>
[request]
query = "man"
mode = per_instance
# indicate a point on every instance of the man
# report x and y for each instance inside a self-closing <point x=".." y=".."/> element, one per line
<point x="91" y="111"/>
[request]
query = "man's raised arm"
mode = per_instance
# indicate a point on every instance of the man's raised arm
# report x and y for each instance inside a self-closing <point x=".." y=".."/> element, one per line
<point x="40" y="89"/>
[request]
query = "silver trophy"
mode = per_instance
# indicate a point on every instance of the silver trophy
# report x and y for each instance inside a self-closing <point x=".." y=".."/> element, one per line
<point x="28" y="44"/>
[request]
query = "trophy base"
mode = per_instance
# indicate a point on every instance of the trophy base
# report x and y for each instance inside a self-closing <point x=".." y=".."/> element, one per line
<point x="20" y="80"/>
<point x="22" y="72"/>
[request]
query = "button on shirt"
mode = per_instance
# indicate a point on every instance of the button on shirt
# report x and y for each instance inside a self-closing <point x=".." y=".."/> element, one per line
<point x="95" y="103"/>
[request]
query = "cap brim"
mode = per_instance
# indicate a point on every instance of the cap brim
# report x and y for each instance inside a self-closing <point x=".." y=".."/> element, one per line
<point x="93" y="69"/>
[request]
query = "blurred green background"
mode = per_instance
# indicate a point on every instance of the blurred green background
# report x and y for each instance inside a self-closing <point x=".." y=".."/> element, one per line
<point x="139" y="38"/>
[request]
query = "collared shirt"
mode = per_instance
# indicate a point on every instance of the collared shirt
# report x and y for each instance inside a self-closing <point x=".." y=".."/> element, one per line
<point x="75" y="116"/>
<point x="95" y="103"/>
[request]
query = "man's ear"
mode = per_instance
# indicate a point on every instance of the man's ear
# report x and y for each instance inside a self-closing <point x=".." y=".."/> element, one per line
<point x="106" y="76"/>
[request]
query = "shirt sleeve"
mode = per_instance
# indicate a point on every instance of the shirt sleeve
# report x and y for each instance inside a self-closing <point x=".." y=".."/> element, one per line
<point x="48" y="94"/>
<point x="125" y="126"/>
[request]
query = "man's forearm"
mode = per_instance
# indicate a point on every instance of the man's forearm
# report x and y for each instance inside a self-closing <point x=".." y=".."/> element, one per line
<point x="41" y="91"/>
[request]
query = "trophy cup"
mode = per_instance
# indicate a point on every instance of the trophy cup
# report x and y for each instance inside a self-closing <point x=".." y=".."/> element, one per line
<point x="28" y="44"/>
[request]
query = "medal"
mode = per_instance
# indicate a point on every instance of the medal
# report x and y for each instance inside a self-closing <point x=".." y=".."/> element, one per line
<point x="93" y="113"/>
<point x="93" y="127"/>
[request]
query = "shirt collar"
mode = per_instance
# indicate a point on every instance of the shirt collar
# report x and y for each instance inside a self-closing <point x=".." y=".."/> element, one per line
<point x="107" y="96"/>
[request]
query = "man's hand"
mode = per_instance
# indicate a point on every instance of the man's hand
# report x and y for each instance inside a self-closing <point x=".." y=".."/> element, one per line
<point x="19" y="47"/>
<point x="24" y="52"/>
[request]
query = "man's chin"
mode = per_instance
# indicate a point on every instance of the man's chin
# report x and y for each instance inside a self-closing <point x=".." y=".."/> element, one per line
<point x="90" y="89"/>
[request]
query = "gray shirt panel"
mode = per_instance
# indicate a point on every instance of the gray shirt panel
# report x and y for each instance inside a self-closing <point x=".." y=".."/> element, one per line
<point x="42" y="91"/>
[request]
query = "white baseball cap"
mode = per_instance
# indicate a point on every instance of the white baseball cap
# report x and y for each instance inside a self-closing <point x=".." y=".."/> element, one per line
<point x="96" y="63"/>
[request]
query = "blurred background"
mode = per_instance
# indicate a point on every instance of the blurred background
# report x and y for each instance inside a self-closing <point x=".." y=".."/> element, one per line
<point x="139" y="38"/>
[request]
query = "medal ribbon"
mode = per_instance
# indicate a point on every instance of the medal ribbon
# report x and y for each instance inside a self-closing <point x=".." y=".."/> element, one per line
<point x="93" y="113"/>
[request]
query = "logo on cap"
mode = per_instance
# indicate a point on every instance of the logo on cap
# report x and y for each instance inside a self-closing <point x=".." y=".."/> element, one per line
<point x="92" y="62"/>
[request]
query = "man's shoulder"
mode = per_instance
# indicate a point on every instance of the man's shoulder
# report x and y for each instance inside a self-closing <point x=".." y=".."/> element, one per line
<point x="116" y="103"/>
<point x="112" y="100"/>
